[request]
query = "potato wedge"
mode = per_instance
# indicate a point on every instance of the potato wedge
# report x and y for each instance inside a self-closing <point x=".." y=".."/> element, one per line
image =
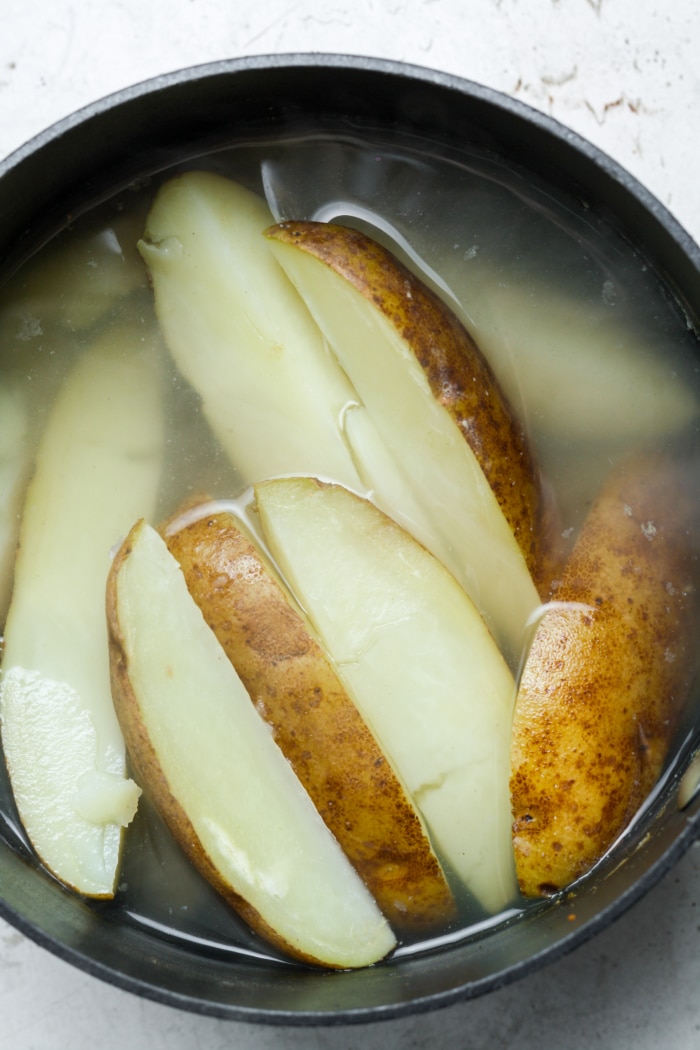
<point x="15" y="463"/>
<point x="417" y="659"/>
<point x="98" y="466"/>
<point x="608" y="674"/>
<point x="437" y="406"/>
<point x="239" y="333"/>
<point x="314" y="721"/>
<point x="75" y="281"/>
<point x="580" y="370"/>
<point x="210" y="765"/>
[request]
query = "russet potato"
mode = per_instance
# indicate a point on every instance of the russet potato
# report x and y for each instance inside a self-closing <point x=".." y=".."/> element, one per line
<point x="438" y="408"/>
<point x="314" y="721"/>
<point x="210" y="765"/>
<point x="608" y="674"/>
<point x="98" y="467"/>
<point x="238" y="332"/>
<point x="15" y="465"/>
<point x="418" y="660"/>
<point x="585" y="369"/>
<point x="74" y="282"/>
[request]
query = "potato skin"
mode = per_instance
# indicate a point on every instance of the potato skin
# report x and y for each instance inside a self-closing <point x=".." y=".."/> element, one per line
<point x="459" y="376"/>
<point x="150" y="776"/>
<point x="314" y="721"/>
<point x="608" y="674"/>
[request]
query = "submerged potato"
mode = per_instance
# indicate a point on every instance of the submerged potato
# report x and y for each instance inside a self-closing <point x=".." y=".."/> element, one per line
<point x="418" y="660"/>
<point x="239" y="333"/>
<point x="438" y="409"/>
<point x="98" y="466"/>
<point x="213" y="770"/>
<point x="608" y="674"/>
<point x="15" y="462"/>
<point x="580" y="370"/>
<point x="314" y="721"/>
<point x="76" y="281"/>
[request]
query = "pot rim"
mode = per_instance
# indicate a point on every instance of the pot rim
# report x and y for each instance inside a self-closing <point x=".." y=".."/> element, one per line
<point x="613" y="174"/>
<point x="393" y="67"/>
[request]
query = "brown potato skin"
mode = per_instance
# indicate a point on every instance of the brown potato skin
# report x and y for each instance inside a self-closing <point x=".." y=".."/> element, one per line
<point x="607" y="677"/>
<point x="458" y="374"/>
<point x="315" y="723"/>
<point x="149" y="774"/>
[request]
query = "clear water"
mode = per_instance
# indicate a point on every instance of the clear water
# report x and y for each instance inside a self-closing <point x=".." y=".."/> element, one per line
<point x="594" y="355"/>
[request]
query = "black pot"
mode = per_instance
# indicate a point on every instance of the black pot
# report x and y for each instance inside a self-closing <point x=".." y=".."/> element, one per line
<point x="88" y="156"/>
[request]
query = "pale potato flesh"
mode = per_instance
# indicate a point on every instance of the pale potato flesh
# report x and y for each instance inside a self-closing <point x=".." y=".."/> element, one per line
<point x="575" y="367"/>
<point x="314" y="721"/>
<point x="74" y="282"/>
<point x="690" y="782"/>
<point x="608" y="674"/>
<point x="418" y="660"/>
<point x="237" y="330"/>
<point x="438" y="409"/>
<point x="98" y="466"/>
<point x="15" y="460"/>
<point x="212" y="768"/>
<point x="388" y="479"/>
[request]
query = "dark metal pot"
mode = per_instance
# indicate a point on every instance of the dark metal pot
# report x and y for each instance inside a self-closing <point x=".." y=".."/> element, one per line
<point x="103" y="147"/>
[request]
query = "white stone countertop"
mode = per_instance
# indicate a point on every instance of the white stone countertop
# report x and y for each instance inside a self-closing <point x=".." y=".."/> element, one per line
<point x="623" y="73"/>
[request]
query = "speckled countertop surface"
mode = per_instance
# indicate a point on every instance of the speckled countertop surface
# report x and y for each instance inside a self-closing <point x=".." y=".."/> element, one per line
<point x="623" y="73"/>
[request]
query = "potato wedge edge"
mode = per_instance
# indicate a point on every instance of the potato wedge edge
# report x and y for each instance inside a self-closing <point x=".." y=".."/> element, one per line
<point x="608" y="675"/>
<point x="314" y="721"/>
<point x="216" y="776"/>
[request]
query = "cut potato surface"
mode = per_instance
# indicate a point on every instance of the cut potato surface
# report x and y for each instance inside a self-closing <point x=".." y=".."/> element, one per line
<point x="213" y="770"/>
<point x="575" y="366"/>
<point x="15" y="460"/>
<point x="608" y="674"/>
<point x="418" y="660"/>
<point x="97" y="467"/>
<point x="75" y="281"/>
<point x="239" y="333"/>
<point x="439" y="410"/>
<point x="314" y="721"/>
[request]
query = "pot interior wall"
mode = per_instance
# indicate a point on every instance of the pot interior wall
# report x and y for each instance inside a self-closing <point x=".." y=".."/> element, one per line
<point x="141" y="131"/>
